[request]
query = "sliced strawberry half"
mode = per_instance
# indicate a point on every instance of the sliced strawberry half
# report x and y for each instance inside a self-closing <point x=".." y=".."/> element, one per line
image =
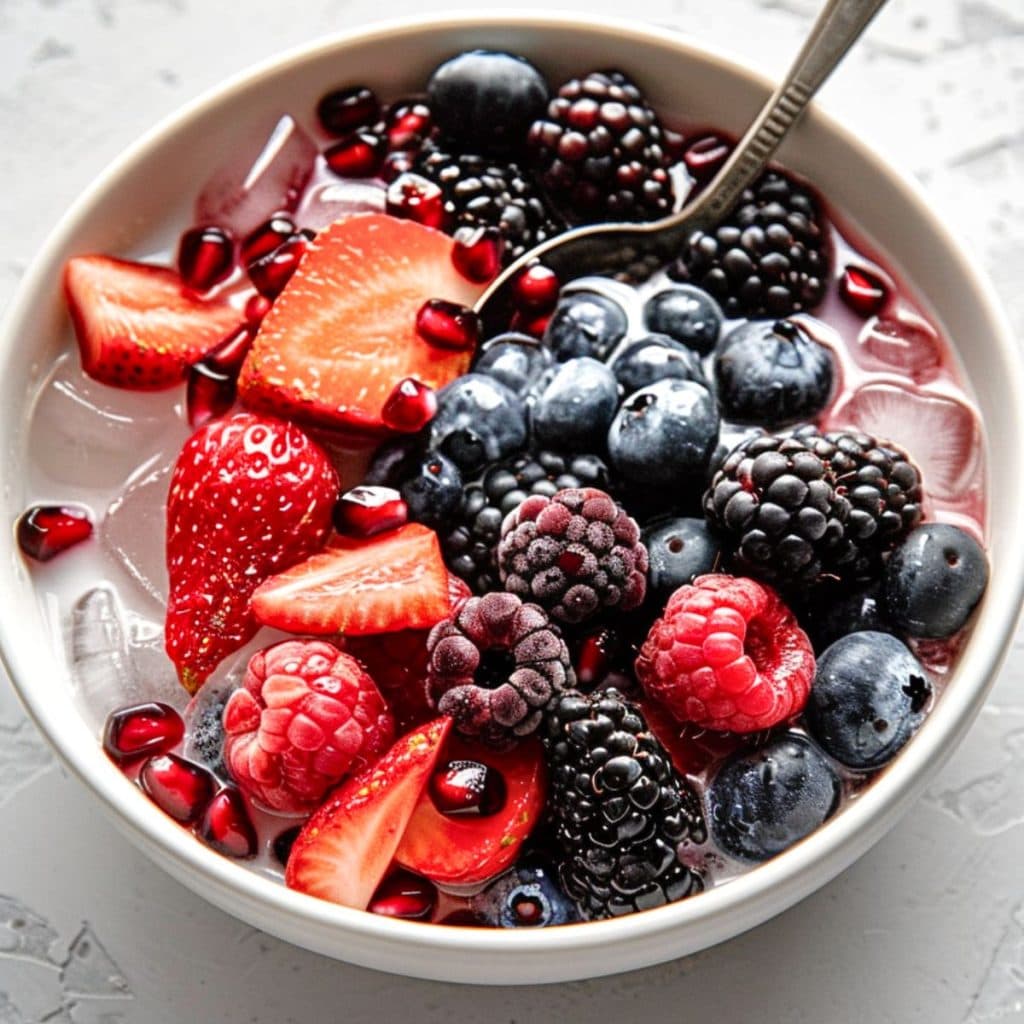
<point x="342" y="334"/>
<point x="136" y="324"/>
<point x="466" y="849"/>
<point x="345" y="848"/>
<point x="359" y="586"/>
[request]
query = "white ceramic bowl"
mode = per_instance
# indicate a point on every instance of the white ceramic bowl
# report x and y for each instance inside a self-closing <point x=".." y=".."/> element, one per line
<point x="142" y="202"/>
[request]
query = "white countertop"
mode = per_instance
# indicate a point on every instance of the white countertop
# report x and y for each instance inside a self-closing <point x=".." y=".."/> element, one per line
<point x="927" y="927"/>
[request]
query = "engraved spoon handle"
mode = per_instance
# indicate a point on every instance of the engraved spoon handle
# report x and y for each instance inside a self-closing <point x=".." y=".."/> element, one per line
<point x="838" y="27"/>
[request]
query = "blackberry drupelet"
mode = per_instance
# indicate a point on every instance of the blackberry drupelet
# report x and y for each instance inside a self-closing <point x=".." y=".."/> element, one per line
<point x="619" y="808"/>
<point x="768" y="258"/>
<point x="494" y="666"/>
<point x="488" y="193"/>
<point x="470" y="548"/>
<point x="882" y="485"/>
<point x="576" y="554"/>
<point x="601" y="152"/>
<point x="774" y="501"/>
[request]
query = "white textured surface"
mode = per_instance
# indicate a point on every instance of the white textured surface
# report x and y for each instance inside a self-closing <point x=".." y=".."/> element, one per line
<point x="928" y="927"/>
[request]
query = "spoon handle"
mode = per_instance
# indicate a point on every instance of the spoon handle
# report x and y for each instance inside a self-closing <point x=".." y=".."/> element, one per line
<point x="838" y="27"/>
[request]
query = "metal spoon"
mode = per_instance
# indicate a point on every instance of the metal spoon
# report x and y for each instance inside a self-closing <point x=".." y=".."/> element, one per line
<point x="607" y="248"/>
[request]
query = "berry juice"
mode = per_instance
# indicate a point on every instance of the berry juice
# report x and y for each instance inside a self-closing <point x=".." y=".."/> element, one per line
<point x="890" y="375"/>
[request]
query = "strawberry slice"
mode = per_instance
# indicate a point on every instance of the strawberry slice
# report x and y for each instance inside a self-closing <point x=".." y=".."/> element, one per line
<point x="136" y="324"/>
<point x="359" y="586"/>
<point x="345" y="848"/>
<point x="342" y="334"/>
<point x="467" y="849"/>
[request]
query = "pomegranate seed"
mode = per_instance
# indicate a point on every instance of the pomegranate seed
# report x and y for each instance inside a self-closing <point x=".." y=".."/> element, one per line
<point x="448" y="325"/>
<point x="410" y="407"/>
<point x="210" y="391"/>
<point x="409" y="123"/>
<point x="464" y="918"/>
<point x="597" y="652"/>
<point x="360" y="155"/>
<point x="282" y="845"/>
<point x="862" y="291"/>
<point x="267" y="237"/>
<point x="344" y="110"/>
<point x="704" y="157"/>
<point x="205" y="257"/>
<point x="270" y="273"/>
<point x="367" y="510"/>
<point x="467" y="787"/>
<point x="528" y="323"/>
<point x="477" y="253"/>
<point x="256" y="309"/>
<point x="673" y="143"/>
<point x="404" y="895"/>
<point x="397" y="164"/>
<point x="44" y="531"/>
<point x="141" y="731"/>
<point x="536" y="288"/>
<point x="178" y="787"/>
<point x="417" y="199"/>
<point x="226" y="826"/>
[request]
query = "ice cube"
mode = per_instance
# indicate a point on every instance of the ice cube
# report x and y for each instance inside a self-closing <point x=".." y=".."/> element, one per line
<point x="134" y="526"/>
<point x="89" y="970"/>
<point x="104" y="667"/>
<point x="906" y="342"/>
<point x="266" y="175"/>
<point x="85" y="433"/>
<point x="941" y="434"/>
<point x="329" y="201"/>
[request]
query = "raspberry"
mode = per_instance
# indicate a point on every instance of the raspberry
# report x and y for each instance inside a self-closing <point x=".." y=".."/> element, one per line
<point x="576" y="553"/>
<point x="306" y="716"/>
<point x="494" y="666"/>
<point x="727" y="655"/>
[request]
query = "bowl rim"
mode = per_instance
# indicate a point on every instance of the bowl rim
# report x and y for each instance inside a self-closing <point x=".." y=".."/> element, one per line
<point x="752" y="895"/>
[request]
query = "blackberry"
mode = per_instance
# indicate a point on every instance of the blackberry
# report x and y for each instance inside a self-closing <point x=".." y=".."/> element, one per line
<point x="775" y="500"/>
<point x="494" y="665"/>
<point x="882" y="486"/>
<point x="576" y="554"/>
<point x="470" y="549"/>
<point x="768" y="258"/>
<point x="601" y="151"/>
<point x="488" y="193"/>
<point x="619" y="808"/>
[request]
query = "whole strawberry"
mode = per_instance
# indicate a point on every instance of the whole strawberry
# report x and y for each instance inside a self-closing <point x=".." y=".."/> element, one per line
<point x="727" y="655"/>
<point x="306" y="716"/>
<point x="250" y="496"/>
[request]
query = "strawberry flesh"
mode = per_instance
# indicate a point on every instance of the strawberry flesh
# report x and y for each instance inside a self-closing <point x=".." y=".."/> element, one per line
<point x="249" y="497"/>
<point x="357" y="586"/>
<point x="467" y="849"/>
<point x="342" y="333"/>
<point x="346" y="847"/>
<point x="137" y="326"/>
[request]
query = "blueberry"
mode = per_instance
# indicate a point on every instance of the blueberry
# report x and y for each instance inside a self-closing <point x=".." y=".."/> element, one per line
<point x="679" y="550"/>
<point x="485" y="408"/>
<point x="432" y="489"/>
<point x="764" y="801"/>
<point x="526" y="896"/>
<point x="517" y="360"/>
<point x="585" y="324"/>
<point x="205" y="743"/>
<point x="772" y="374"/>
<point x="654" y="358"/>
<point x="687" y="314"/>
<point x="933" y="581"/>
<point x="575" y="410"/>
<point x="829" y="616"/>
<point x="388" y="467"/>
<point x="664" y="434"/>
<point x="487" y="100"/>
<point x="868" y="698"/>
<point x="284" y="842"/>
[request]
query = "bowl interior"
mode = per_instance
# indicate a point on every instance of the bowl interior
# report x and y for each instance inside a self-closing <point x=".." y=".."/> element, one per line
<point x="140" y="205"/>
